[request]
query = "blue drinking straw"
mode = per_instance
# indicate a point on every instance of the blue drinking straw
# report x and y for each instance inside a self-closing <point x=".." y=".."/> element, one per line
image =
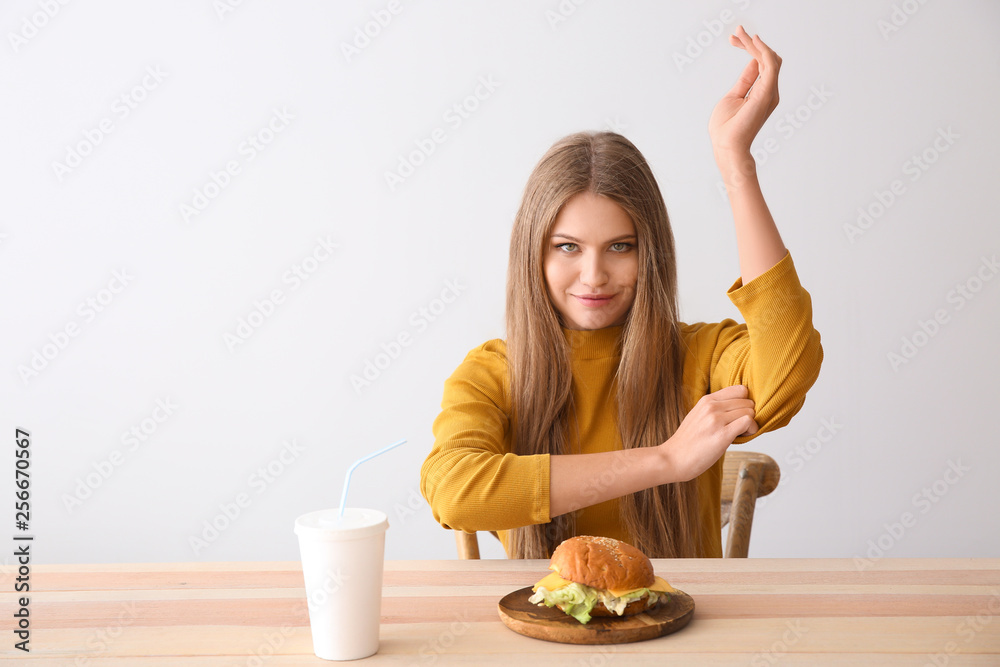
<point x="347" y="477"/>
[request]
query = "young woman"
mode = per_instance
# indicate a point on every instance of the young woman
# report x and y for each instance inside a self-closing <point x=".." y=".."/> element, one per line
<point x="601" y="413"/>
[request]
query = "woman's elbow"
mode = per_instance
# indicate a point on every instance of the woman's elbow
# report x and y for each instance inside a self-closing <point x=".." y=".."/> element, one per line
<point x="454" y="516"/>
<point x="803" y="375"/>
<point x="447" y="507"/>
<point x="813" y="359"/>
<point x="450" y="509"/>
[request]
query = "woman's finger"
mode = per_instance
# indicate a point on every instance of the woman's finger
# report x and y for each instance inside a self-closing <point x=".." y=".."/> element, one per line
<point x="747" y="42"/>
<point x="769" y="61"/>
<point x="741" y="426"/>
<point x="737" y="405"/>
<point x="763" y="69"/>
<point x="767" y="52"/>
<point x="745" y="82"/>
<point x="733" y="410"/>
<point x="733" y="391"/>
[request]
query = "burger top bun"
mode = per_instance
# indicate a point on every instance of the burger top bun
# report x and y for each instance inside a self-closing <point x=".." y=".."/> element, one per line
<point x="602" y="562"/>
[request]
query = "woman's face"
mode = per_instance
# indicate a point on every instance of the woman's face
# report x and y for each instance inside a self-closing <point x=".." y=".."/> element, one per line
<point x="591" y="262"/>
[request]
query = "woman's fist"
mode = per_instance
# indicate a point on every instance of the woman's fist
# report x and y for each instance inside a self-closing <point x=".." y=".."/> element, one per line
<point x="713" y="423"/>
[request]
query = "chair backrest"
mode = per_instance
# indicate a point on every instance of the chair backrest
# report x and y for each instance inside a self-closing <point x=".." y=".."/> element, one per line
<point x="746" y="476"/>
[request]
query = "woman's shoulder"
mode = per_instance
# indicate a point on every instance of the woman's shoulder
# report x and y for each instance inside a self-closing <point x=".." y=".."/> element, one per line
<point x="492" y="352"/>
<point x="483" y="371"/>
<point x="488" y="360"/>
<point x="701" y="335"/>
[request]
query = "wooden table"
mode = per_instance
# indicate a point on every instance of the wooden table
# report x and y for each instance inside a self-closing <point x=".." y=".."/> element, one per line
<point x="749" y="611"/>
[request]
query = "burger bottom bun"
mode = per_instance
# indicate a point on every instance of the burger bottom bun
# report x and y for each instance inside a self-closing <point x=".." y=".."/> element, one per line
<point x="633" y="608"/>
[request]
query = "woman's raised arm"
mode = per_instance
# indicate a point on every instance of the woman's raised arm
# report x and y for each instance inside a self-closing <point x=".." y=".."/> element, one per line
<point x="735" y="122"/>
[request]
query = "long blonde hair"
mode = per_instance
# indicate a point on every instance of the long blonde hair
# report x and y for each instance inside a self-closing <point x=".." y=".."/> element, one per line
<point x="662" y="521"/>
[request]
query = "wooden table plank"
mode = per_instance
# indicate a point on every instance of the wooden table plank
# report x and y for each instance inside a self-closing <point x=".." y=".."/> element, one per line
<point x="749" y="637"/>
<point x="292" y="610"/>
<point x="497" y="591"/>
<point x="710" y="659"/>
<point x="529" y="565"/>
<point x="432" y="573"/>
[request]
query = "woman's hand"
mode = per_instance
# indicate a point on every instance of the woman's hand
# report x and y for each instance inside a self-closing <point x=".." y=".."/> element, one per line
<point x="713" y="423"/>
<point x="738" y="117"/>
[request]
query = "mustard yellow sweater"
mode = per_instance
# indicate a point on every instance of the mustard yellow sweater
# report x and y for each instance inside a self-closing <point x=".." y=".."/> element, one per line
<point x="474" y="483"/>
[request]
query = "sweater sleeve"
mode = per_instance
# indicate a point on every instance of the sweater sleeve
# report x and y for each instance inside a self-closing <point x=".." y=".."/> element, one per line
<point x="777" y="353"/>
<point x="470" y="478"/>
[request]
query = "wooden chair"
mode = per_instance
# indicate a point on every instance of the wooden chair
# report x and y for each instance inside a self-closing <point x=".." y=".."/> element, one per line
<point x="746" y="476"/>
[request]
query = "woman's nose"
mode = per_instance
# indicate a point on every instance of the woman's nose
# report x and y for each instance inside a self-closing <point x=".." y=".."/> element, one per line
<point x="593" y="272"/>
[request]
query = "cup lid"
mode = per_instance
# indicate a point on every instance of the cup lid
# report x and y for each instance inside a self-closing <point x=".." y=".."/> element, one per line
<point x="355" y="524"/>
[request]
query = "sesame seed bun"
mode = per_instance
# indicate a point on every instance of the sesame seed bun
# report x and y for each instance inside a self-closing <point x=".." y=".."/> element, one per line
<point x="602" y="562"/>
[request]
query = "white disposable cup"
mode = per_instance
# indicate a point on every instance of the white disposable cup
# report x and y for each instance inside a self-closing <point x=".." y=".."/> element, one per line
<point x="342" y="562"/>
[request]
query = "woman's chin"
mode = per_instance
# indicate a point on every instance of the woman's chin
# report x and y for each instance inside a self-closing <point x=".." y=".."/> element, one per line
<point x="592" y="322"/>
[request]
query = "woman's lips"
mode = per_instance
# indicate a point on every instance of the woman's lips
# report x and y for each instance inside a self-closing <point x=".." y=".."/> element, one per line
<point x="594" y="300"/>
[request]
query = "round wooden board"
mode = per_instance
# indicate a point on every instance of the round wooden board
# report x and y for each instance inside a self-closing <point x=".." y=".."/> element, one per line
<point x="551" y="624"/>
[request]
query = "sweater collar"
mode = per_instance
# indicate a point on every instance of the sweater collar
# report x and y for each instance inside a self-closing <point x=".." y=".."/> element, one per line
<point x="594" y="343"/>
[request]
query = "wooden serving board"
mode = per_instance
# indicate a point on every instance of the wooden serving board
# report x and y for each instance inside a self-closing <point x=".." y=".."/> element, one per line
<point x="554" y="625"/>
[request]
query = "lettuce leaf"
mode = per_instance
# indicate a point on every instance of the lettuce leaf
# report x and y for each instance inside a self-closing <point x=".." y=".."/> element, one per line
<point x="578" y="599"/>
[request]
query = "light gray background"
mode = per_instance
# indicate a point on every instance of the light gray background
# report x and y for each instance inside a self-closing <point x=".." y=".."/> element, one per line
<point x="851" y="490"/>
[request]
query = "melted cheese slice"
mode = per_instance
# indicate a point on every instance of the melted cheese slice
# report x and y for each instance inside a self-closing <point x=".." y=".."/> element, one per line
<point x="554" y="582"/>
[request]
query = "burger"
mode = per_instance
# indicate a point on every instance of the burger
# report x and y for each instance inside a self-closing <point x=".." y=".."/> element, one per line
<point x="600" y="576"/>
